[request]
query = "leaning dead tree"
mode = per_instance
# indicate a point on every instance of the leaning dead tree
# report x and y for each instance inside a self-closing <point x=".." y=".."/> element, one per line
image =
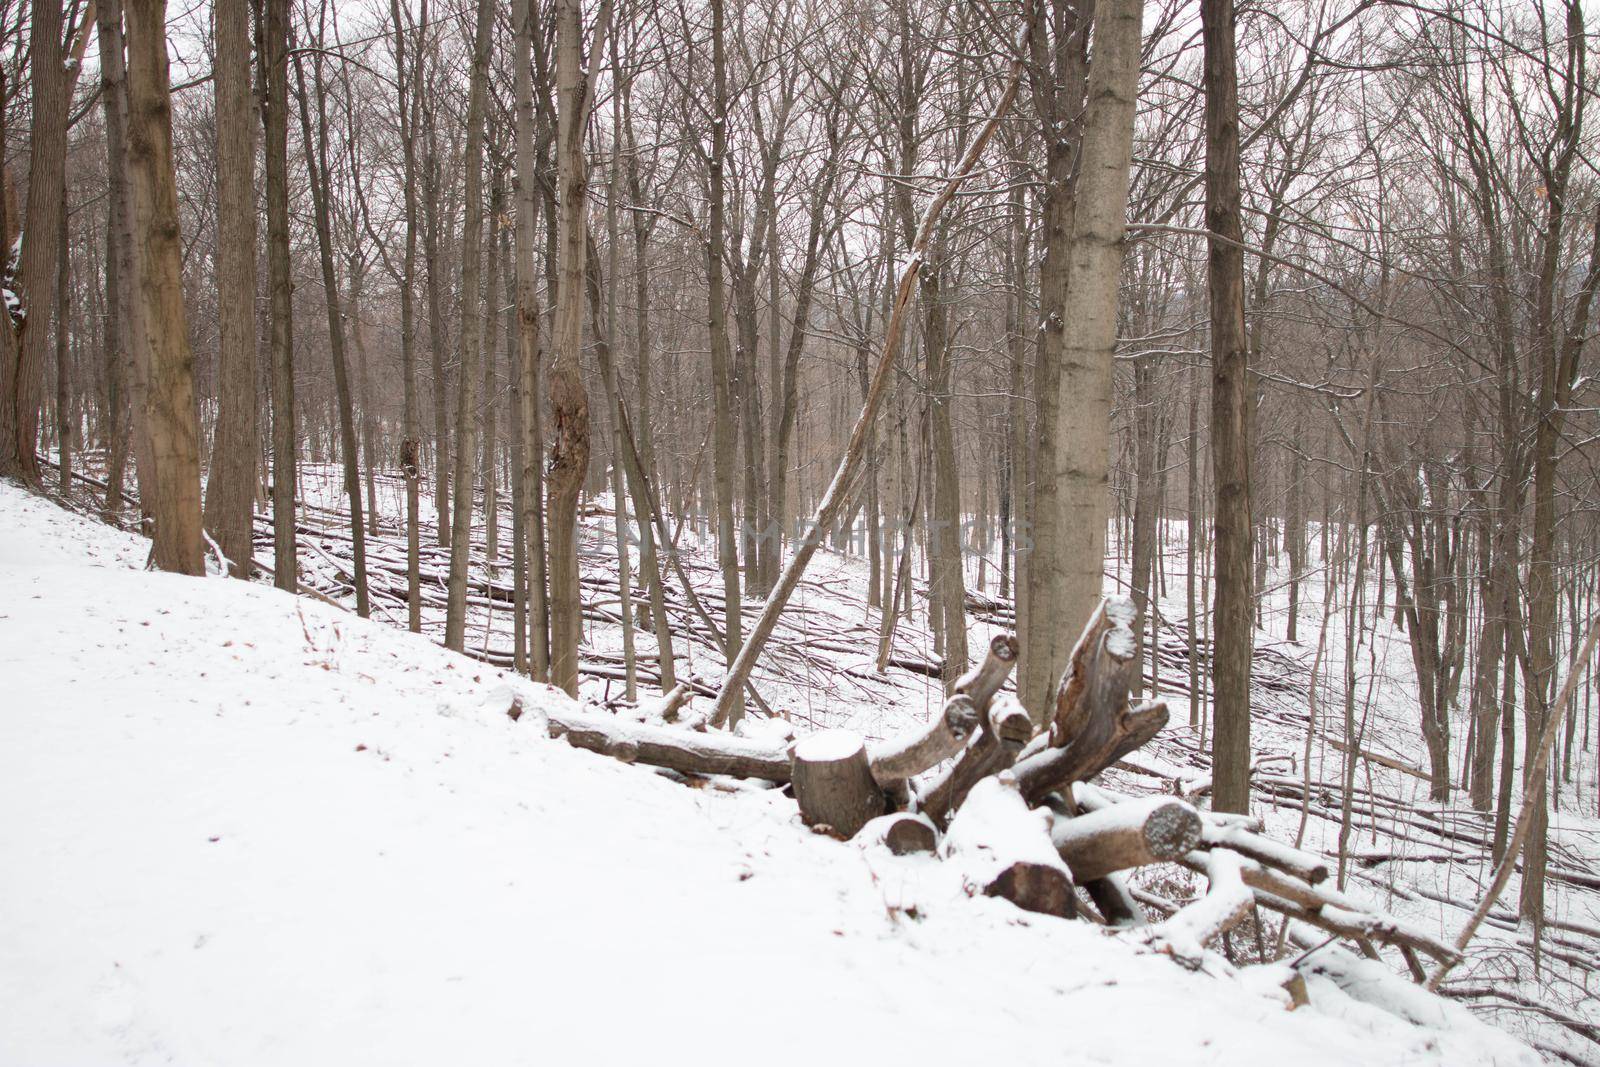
<point x="1016" y="809"/>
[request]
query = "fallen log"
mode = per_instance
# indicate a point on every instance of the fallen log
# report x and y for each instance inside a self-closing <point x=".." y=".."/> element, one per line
<point x="1131" y="834"/>
<point x="1264" y="850"/>
<point x="993" y="749"/>
<point x="1226" y="830"/>
<point x="1004" y="849"/>
<point x="982" y="682"/>
<point x="680" y="750"/>
<point x="1227" y="901"/>
<point x="901" y="833"/>
<point x="1047" y="768"/>
<point x="913" y="752"/>
<point x="833" y="783"/>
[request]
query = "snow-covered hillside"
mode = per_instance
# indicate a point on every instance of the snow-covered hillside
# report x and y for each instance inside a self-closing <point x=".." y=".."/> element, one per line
<point x="243" y="828"/>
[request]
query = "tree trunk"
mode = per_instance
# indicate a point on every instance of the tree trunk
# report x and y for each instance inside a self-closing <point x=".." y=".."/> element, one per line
<point x="230" y="486"/>
<point x="316" y="154"/>
<point x="569" y="402"/>
<point x="471" y="326"/>
<point x="724" y="443"/>
<point x="531" y="475"/>
<point x="161" y="334"/>
<point x="275" y="122"/>
<point x="1230" y="417"/>
<point x="22" y="367"/>
<point x="408" y="86"/>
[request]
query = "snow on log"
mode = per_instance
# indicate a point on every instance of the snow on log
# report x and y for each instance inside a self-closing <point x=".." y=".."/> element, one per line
<point x="1131" y="834"/>
<point x="1004" y="849"/>
<point x="982" y="682"/>
<point x="914" y="751"/>
<point x="833" y="782"/>
<point x="680" y="750"/>
<point x="1046" y="768"/>
<point x="1302" y="865"/>
<point x="992" y="750"/>
<point x="1329" y="909"/>
<point x="666" y="709"/>
<point x="1227" y="901"/>
<point x="901" y="833"/>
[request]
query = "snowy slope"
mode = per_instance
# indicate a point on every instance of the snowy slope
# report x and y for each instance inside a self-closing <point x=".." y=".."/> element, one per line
<point x="243" y="828"/>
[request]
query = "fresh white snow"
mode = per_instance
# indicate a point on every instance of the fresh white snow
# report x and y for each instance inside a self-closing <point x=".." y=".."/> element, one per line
<point x="243" y="828"/>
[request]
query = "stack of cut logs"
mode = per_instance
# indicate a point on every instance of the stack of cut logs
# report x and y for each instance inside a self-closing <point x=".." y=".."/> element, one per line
<point x="1015" y="807"/>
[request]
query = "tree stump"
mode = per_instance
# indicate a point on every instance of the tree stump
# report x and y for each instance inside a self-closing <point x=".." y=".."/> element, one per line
<point x="833" y="782"/>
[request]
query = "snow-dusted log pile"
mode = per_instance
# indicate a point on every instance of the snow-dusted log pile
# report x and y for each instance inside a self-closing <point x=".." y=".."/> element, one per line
<point x="1017" y="811"/>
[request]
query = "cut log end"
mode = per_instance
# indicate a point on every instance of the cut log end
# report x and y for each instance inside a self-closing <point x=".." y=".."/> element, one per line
<point x="1035" y="887"/>
<point x="902" y="833"/>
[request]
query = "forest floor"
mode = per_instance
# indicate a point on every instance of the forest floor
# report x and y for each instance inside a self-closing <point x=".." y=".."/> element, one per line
<point x="258" y="829"/>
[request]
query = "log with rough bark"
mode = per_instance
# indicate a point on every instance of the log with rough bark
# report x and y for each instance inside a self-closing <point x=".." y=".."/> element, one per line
<point x="1131" y="834"/>
<point x="901" y="833"/>
<point x="1095" y="684"/>
<point x="833" y="783"/>
<point x="914" y="751"/>
<point x="1005" y="850"/>
<point x="1092" y="726"/>
<point x="1045" y="768"/>
<point x="680" y="750"/>
<point x="993" y="749"/>
<point x="1237" y="833"/>
<point x="982" y="682"/>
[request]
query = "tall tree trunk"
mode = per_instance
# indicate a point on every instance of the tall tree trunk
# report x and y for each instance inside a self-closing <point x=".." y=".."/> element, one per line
<point x="1057" y="71"/>
<point x="489" y="465"/>
<point x="230" y="487"/>
<point x="433" y="210"/>
<point x="408" y="86"/>
<point x="63" y="315"/>
<point x="1146" y="496"/>
<point x="569" y="401"/>
<point x="161" y="334"/>
<point x="1230" y="417"/>
<point x="118" y="349"/>
<point x="320" y="182"/>
<point x="471" y="327"/>
<point x="22" y="367"/>
<point x="531" y="475"/>
<point x="724" y="444"/>
<point x="1066" y="573"/>
<point x="274" y="50"/>
<point x="948" y="587"/>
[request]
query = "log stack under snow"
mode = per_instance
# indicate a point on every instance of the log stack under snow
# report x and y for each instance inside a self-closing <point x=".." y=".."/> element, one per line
<point x="1014" y="806"/>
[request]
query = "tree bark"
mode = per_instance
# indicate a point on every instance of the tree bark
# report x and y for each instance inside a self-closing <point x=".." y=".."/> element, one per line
<point x="274" y="51"/>
<point x="316" y="154"/>
<point x="471" y="326"/>
<point x="1230" y="418"/>
<point x="231" y="484"/>
<point x="161" y="335"/>
<point x="22" y="367"/>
